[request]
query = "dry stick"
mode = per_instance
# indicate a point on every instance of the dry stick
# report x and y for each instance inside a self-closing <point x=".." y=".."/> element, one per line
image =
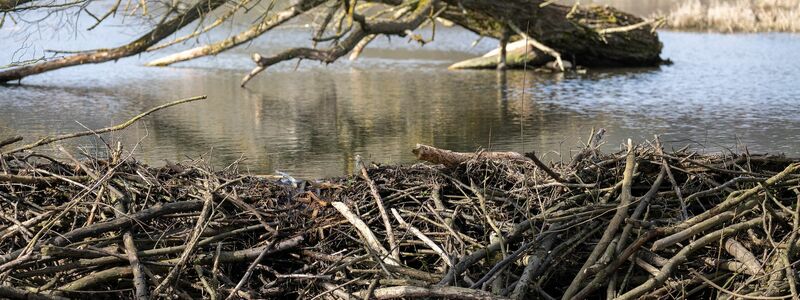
<point x="531" y="270"/>
<point x="601" y="276"/>
<point x="104" y="260"/>
<point x="212" y="294"/>
<point x="657" y="21"/>
<point x="364" y="231"/>
<point x="513" y="256"/>
<point x="119" y="200"/>
<point x="112" y="225"/>
<point x="791" y="247"/>
<point x="190" y="247"/>
<point x="613" y="226"/>
<point x="41" y="179"/>
<point x="8" y="292"/>
<point x="452" y="159"/>
<point x="430" y="243"/>
<point x="735" y="199"/>
<point x="395" y="250"/>
<point x="737" y="250"/>
<point x="49" y="139"/>
<point x="691" y="231"/>
<point x="544" y="167"/>
<point x="737" y="296"/>
<point x="684" y="212"/>
<point x="683" y="255"/>
<point x="474" y="257"/>
<point x="96" y="278"/>
<point x="643" y="203"/>
<point x="447" y="292"/>
<point x="250" y="270"/>
<point x="139" y="283"/>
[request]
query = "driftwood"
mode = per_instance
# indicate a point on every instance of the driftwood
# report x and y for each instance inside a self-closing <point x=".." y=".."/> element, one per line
<point x="452" y="159"/>
<point x="485" y="225"/>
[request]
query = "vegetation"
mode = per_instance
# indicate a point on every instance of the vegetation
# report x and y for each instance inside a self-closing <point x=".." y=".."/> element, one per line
<point x="736" y="16"/>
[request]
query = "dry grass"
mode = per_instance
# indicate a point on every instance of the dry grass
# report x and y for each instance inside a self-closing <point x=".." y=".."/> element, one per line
<point x="737" y="16"/>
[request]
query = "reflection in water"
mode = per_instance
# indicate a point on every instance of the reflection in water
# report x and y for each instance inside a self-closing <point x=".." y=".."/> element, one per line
<point x="311" y="122"/>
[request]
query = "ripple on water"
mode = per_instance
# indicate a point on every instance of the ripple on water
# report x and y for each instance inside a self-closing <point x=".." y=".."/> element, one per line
<point x="721" y="90"/>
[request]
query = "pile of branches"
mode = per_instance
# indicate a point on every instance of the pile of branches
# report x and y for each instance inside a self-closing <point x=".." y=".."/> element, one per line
<point x="641" y="223"/>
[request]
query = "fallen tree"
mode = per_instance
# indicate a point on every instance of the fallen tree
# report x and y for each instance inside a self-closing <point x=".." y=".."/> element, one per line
<point x="590" y="36"/>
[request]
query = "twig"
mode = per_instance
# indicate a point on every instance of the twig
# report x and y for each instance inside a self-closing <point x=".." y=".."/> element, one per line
<point x="395" y="250"/>
<point x="613" y="226"/>
<point x="430" y="243"/>
<point x="121" y="126"/>
<point x="250" y="269"/>
<point x="190" y="246"/>
<point x="363" y="230"/>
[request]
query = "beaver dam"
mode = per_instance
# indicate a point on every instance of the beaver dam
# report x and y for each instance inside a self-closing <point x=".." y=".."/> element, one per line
<point x="641" y="223"/>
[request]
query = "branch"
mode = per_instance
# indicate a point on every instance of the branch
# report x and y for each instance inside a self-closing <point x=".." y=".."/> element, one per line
<point x="361" y="29"/>
<point x="236" y="40"/>
<point x="141" y="44"/>
<point x="48" y="140"/>
<point x="11" y="5"/>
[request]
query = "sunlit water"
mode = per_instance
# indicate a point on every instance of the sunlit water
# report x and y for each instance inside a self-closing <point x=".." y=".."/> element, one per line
<point x="722" y="92"/>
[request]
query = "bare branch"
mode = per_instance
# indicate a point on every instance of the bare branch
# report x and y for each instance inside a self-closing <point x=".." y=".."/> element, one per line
<point x="361" y="29"/>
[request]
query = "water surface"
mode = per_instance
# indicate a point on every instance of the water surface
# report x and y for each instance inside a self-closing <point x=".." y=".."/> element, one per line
<point x="722" y="92"/>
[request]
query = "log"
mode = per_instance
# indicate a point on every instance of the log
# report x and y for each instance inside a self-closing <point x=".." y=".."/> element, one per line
<point x="595" y="36"/>
<point x="517" y="56"/>
<point x="452" y="159"/>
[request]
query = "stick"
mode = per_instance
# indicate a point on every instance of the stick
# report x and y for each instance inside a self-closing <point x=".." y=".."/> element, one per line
<point x="683" y="255"/>
<point x="382" y="209"/>
<point x="195" y="238"/>
<point x="611" y="230"/>
<point x="250" y="270"/>
<point x="48" y="140"/>
<point x="737" y="250"/>
<point x="691" y="231"/>
<point x="448" y="292"/>
<point x="452" y="159"/>
<point x="430" y="243"/>
<point x="541" y="165"/>
<point x="364" y="231"/>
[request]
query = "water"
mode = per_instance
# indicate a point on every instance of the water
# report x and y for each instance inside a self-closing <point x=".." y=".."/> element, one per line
<point x="722" y="91"/>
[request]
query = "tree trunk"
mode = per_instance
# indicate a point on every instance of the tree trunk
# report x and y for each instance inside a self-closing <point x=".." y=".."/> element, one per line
<point x="141" y="44"/>
<point x="580" y="34"/>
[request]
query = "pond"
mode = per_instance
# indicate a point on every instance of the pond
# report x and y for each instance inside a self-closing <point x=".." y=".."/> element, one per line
<point x="723" y="92"/>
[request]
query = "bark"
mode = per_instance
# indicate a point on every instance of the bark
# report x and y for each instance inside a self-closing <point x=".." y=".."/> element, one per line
<point x="11" y="5"/>
<point x="581" y="35"/>
<point x="453" y="159"/>
<point x="99" y="56"/>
